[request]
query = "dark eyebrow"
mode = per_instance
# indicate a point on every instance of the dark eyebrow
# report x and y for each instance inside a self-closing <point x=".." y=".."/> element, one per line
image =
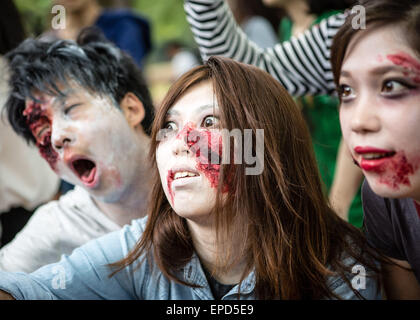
<point x="376" y="71"/>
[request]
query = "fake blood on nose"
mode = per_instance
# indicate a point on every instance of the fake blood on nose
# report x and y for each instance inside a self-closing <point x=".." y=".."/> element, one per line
<point x="36" y="118"/>
<point x="207" y="147"/>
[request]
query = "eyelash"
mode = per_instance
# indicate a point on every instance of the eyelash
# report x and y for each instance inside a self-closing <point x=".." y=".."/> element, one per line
<point x="68" y="109"/>
<point x="391" y="95"/>
<point x="165" y="126"/>
<point x="401" y="82"/>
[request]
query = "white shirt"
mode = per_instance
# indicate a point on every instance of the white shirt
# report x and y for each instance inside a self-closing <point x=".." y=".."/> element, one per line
<point x="26" y="180"/>
<point x="56" y="229"/>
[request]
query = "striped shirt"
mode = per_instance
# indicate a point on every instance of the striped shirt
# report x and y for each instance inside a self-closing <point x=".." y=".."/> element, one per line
<point x="302" y="65"/>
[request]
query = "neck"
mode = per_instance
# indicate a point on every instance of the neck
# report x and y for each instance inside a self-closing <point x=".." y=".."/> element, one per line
<point x="133" y="202"/>
<point x="77" y="20"/>
<point x="204" y="241"/>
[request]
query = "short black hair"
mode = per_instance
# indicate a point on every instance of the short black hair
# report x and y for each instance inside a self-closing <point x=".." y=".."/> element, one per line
<point x="92" y="62"/>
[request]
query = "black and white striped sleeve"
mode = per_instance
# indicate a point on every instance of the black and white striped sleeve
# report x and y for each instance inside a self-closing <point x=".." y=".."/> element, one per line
<point x="301" y="65"/>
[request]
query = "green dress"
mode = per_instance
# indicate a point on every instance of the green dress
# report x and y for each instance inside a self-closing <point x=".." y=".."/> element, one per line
<point x="321" y="114"/>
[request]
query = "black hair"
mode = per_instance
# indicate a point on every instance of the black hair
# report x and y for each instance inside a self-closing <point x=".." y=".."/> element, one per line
<point x="11" y="29"/>
<point x="318" y="7"/>
<point x="92" y="63"/>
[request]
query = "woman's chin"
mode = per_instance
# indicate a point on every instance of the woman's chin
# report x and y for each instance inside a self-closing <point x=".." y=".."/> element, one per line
<point x="387" y="190"/>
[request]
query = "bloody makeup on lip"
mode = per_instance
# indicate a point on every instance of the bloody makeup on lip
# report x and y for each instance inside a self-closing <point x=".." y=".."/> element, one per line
<point x="37" y="118"/>
<point x="410" y="64"/>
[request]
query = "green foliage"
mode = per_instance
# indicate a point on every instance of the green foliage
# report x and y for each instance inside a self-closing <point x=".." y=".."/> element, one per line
<point x="167" y="18"/>
<point x="35" y="15"/>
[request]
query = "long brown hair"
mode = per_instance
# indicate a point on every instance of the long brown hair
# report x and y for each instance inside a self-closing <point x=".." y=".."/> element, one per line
<point x="291" y="238"/>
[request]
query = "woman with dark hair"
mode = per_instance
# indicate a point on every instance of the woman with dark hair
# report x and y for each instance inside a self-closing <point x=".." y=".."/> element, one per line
<point x="302" y="66"/>
<point x="219" y="225"/>
<point x="377" y="72"/>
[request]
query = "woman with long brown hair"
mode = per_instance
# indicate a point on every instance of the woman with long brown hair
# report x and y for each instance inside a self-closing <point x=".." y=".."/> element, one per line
<point x="377" y="72"/>
<point x="236" y="209"/>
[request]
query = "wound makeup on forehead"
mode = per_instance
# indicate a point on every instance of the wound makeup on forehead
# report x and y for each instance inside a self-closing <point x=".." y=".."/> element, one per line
<point x="410" y="64"/>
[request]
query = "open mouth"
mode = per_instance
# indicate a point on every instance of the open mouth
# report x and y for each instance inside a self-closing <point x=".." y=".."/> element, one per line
<point x="85" y="169"/>
<point x="183" y="174"/>
<point x="377" y="156"/>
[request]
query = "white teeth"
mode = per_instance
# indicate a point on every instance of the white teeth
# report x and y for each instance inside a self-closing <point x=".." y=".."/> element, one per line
<point x="183" y="174"/>
<point x="371" y="156"/>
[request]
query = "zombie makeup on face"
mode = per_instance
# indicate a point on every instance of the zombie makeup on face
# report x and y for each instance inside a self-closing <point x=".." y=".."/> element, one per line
<point x="206" y="145"/>
<point x="394" y="170"/>
<point x="411" y="65"/>
<point x="40" y="124"/>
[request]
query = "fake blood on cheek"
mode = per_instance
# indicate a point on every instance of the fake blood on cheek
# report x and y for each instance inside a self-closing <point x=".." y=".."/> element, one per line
<point x="37" y="119"/>
<point x="207" y="148"/>
<point x="396" y="171"/>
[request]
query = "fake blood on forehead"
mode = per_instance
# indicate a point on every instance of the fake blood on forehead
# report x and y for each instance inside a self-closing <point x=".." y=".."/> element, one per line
<point x="36" y="117"/>
<point x="411" y="65"/>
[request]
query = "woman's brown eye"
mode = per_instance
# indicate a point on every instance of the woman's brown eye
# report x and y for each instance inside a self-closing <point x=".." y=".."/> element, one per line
<point x="393" y="87"/>
<point x="345" y="91"/>
<point x="210" y="121"/>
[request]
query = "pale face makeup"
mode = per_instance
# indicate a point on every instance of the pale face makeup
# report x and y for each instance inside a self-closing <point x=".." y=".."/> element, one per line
<point x="86" y="140"/>
<point x="380" y="110"/>
<point x="187" y="169"/>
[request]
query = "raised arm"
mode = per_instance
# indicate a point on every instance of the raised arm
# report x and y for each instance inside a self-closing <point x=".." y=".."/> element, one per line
<point x="301" y="65"/>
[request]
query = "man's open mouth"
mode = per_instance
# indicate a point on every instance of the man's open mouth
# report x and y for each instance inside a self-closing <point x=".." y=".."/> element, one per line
<point x="85" y="170"/>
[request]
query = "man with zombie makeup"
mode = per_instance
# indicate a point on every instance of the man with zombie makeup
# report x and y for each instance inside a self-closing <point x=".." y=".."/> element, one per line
<point x="88" y="110"/>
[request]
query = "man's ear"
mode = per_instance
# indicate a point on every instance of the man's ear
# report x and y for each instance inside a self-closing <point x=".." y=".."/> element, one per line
<point x="133" y="109"/>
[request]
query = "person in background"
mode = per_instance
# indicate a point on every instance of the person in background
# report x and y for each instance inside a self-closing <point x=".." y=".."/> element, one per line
<point x="182" y="59"/>
<point x="302" y="66"/>
<point x="129" y="31"/>
<point x="260" y="23"/>
<point x="91" y="126"/>
<point x="26" y="181"/>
